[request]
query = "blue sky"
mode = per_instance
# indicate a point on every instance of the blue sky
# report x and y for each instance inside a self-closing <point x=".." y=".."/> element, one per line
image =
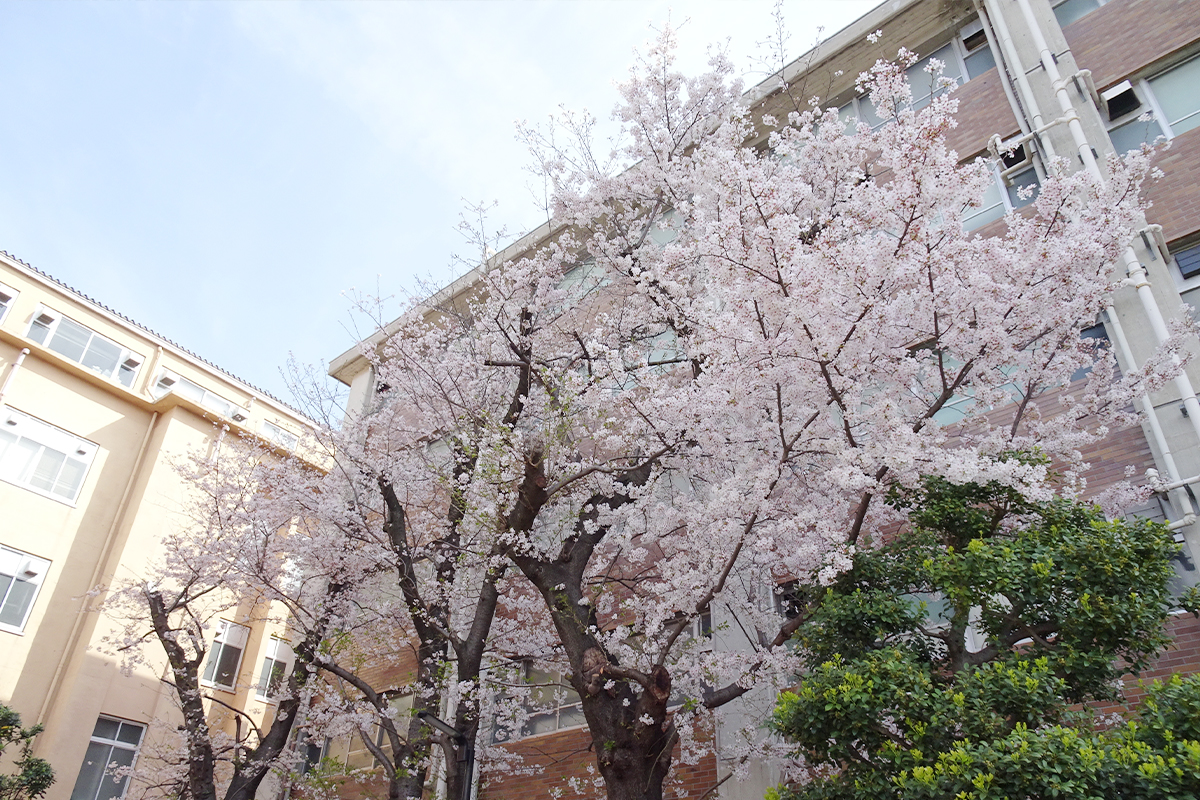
<point x="226" y="173"/>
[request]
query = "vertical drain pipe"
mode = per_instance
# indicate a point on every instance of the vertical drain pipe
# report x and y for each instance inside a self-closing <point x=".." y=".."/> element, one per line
<point x="12" y="372"/>
<point x="994" y="18"/>
<point x="1133" y="267"/>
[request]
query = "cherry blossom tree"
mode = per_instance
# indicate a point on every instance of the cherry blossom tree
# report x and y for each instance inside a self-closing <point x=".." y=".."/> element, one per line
<point x="369" y="587"/>
<point x="737" y="334"/>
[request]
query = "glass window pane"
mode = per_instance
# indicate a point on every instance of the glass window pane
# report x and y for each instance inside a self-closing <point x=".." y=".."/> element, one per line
<point x="46" y="470"/>
<point x="130" y="733"/>
<point x="16" y="603"/>
<point x="113" y="784"/>
<point x="990" y="209"/>
<point x="227" y="666"/>
<point x="191" y="391"/>
<point x="70" y="479"/>
<point x="1192" y="298"/>
<point x="92" y="771"/>
<point x="38" y="331"/>
<point x="102" y="356"/>
<point x="980" y="62"/>
<point x="210" y="666"/>
<point x="70" y="339"/>
<point x="217" y="404"/>
<point x="127" y="374"/>
<point x="19" y="458"/>
<point x="1025" y="181"/>
<point x="1178" y="96"/>
<point x="1133" y="134"/>
<point x="539" y="723"/>
<point x="570" y="717"/>
<point x="106" y="728"/>
<point x="1071" y="10"/>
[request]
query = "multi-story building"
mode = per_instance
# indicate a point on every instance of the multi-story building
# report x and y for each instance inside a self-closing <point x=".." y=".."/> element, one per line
<point x="1039" y="81"/>
<point x="94" y="409"/>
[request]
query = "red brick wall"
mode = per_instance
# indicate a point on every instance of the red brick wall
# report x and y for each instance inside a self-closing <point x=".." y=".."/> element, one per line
<point x="1125" y="36"/>
<point x="983" y="109"/>
<point x="1176" y="197"/>
<point x="552" y="760"/>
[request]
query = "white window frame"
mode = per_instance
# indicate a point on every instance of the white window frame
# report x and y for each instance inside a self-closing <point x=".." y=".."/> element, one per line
<point x="19" y="567"/>
<point x="1143" y="89"/>
<point x="557" y="696"/>
<point x="230" y="636"/>
<point x="45" y="440"/>
<point x="278" y="435"/>
<point x="8" y="298"/>
<point x="115" y="743"/>
<point x="172" y="382"/>
<point x="44" y="329"/>
<point x="276" y="664"/>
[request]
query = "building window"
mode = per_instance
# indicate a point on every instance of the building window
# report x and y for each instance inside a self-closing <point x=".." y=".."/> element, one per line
<point x="225" y="657"/>
<point x="551" y="704"/>
<point x="275" y="667"/>
<point x="1139" y="112"/>
<point x="1067" y="11"/>
<point x="21" y="575"/>
<point x="41" y="457"/>
<point x="278" y="436"/>
<point x="975" y="50"/>
<point x="352" y="751"/>
<point x="1014" y="185"/>
<point x="110" y="754"/>
<point x="968" y="56"/>
<point x="84" y="346"/>
<point x="169" y="382"/>
<point x="7" y="296"/>
<point x="1187" y="261"/>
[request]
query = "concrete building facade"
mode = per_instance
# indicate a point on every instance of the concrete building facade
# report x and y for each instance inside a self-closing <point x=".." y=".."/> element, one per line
<point x="94" y="409"/>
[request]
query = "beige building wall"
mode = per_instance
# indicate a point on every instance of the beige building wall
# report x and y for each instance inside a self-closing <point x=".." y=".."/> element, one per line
<point x="63" y="535"/>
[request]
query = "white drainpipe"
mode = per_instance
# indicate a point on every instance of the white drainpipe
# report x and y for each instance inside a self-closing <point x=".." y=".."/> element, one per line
<point x="12" y="372"/>
<point x="1134" y="269"/>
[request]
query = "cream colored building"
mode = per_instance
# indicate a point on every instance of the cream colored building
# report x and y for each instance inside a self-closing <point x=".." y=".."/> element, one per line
<point x="93" y="408"/>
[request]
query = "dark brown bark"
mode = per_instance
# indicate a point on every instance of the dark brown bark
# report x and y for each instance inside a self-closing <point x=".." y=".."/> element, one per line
<point x="250" y="765"/>
<point x="626" y="710"/>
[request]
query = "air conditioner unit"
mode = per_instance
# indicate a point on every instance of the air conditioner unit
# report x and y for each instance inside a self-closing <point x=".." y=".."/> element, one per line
<point x="1119" y="100"/>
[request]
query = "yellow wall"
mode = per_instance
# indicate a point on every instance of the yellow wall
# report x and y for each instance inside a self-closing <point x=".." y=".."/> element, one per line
<point x="53" y="671"/>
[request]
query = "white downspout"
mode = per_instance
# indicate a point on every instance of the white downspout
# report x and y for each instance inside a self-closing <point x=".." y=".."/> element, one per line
<point x="1133" y="266"/>
<point x="12" y="372"/>
<point x="1013" y="58"/>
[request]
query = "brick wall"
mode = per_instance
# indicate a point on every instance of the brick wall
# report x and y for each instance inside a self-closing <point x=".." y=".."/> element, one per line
<point x="1124" y="37"/>
<point x="1176" y="197"/>
<point x="983" y="110"/>
<point x="551" y="761"/>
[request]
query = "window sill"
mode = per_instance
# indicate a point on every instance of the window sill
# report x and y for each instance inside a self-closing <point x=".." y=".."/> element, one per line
<point x="218" y="687"/>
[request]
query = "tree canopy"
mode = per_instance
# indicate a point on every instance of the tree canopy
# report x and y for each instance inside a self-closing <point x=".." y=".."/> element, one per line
<point x="33" y="775"/>
<point x="958" y="658"/>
